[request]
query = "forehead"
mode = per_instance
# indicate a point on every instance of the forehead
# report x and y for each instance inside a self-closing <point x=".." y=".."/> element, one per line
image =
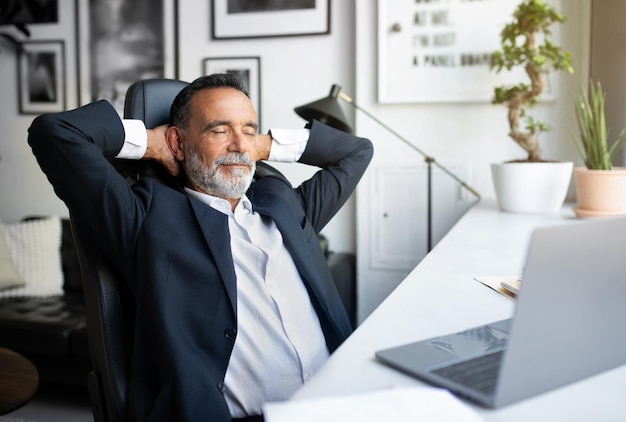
<point x="218" y="102"/>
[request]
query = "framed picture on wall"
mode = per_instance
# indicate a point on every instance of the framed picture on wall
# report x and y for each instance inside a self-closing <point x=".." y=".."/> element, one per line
<point x="254" y="19"/>
<point x="122" y="41"/>
<point x="432" y="52"/>
<point x="41" y="73"/>
<point x="27" y="12"/>
<point x="248" y="68"/>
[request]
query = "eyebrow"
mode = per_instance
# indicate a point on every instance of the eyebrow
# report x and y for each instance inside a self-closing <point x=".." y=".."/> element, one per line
<point x="216" y="123"/>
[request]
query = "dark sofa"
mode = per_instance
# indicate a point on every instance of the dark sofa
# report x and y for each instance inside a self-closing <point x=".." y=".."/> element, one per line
<point x="52" y="332"/>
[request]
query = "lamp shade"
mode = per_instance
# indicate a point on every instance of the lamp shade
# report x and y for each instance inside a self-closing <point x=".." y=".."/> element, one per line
<point x="327" y="110"/>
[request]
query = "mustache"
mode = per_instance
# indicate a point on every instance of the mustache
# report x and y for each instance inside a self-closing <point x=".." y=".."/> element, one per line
<point x="235" y="158"/>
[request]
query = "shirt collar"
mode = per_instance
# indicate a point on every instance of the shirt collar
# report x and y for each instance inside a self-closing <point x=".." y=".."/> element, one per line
<point x="220" y="204"/>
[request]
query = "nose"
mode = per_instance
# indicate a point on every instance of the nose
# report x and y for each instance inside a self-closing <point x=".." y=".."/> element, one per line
<point x="238" y="143"/>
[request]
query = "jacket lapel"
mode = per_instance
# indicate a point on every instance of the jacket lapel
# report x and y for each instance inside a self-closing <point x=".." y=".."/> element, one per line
<point x="214" y="226"/>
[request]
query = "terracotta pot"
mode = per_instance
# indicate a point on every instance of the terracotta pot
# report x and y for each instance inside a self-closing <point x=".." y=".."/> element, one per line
<point x="531" y="188"/>
<point x="600" y="192"/>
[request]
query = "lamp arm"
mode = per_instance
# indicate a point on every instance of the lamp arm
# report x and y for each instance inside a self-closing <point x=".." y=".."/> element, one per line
<point x="427" y="157"/>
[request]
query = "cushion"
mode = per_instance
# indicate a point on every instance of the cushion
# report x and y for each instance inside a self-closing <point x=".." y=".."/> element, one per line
<point x="35" y="247"/>
<point x="9" y="276"/>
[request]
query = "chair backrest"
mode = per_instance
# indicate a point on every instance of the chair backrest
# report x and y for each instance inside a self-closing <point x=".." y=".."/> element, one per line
<point x="110" y="314"/>
<point x="108" y="301"/>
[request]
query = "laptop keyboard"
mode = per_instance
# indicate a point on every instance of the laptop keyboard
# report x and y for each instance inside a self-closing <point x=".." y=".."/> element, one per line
<point x="480" y="373"/>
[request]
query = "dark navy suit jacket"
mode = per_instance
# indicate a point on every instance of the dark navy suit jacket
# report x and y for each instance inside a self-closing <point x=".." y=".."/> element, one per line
<point x="175" y="253"/>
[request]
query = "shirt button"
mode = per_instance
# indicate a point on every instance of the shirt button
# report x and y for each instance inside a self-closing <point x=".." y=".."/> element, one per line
<point x="220" y="386"/>
<point x="230" y="333"/>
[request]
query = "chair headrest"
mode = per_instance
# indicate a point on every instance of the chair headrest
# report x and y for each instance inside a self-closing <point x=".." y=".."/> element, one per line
<point x="150" y="100"/>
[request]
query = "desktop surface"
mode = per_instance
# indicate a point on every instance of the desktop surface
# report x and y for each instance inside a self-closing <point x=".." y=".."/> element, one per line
<point x="441" y="296"/>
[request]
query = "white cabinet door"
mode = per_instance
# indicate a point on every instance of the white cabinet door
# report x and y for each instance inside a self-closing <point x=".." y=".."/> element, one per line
<point x="395" y="224"/>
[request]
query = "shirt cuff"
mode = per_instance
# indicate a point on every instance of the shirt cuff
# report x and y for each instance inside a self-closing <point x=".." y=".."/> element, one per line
<point x="135" y="140"/>
<point x="288" y="145"/>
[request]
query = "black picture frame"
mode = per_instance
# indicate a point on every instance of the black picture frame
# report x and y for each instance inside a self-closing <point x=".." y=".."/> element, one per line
<point x="41" y="71"/>
<point x="21" y="12"/>
<point x="249" y="68"/>
<point x="237" y="19"/>
<point x="144" y="46"/>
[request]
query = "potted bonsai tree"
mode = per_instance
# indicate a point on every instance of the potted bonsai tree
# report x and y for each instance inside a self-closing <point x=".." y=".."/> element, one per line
<point x="600" y="188"/>
<point x="525" y="43"/>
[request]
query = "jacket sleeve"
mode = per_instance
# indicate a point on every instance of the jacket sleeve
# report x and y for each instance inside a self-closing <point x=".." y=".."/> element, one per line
<point x="343" y="159"/>
<point x="72" y="148"/>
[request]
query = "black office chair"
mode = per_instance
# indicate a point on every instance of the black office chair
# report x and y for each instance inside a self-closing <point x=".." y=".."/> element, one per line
<point x="110" y="314"/>
<point x="108" y="301"/>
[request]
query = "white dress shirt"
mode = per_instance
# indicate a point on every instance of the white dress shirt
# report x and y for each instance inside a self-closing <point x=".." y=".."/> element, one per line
<point x="279" y="341"/>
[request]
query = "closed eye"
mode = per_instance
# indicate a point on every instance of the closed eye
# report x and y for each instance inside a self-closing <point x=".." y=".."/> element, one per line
<point x="251" y="128"/>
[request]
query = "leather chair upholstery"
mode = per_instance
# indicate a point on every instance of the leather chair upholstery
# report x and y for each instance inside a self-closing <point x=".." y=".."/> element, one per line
<point x="108" y="301"/>
<point x="109" y="312"/>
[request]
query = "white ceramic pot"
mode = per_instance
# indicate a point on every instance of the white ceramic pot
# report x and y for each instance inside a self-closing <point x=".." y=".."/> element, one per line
<point x="531" y="188"/>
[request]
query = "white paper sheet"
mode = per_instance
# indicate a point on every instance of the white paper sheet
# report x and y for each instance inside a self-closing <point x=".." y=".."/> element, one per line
<point x="394" y="404"/>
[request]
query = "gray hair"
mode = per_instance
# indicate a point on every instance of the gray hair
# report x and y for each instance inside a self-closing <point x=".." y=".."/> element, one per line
<point x="179" y="112"/>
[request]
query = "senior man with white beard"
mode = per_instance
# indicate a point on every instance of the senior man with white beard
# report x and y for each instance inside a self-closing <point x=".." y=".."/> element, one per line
<point x="235" y="304"/>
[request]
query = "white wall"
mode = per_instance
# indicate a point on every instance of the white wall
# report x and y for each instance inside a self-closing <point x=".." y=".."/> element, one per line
<point x="294" y="71"/>
<point x="472" y="135"/>
<point x="475" y="133"/>
<point x="24" y="189"/>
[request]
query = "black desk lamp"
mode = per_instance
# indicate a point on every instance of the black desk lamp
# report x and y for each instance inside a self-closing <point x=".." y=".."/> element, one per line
<point x="327" y="110"/>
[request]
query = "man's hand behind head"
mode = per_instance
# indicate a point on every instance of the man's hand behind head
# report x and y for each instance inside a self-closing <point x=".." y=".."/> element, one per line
<point x="263" y="146"/>
<point x="159" y="151"/>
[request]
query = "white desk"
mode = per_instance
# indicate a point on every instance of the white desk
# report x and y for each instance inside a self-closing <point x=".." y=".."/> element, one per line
<point x="440" y="296"/>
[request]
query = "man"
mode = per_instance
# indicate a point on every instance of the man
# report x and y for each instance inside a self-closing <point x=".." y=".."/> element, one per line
<point x="234" y="300"/>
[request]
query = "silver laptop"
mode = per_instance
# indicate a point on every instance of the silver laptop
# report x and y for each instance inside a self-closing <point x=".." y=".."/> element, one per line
<point x="569" y="322"/>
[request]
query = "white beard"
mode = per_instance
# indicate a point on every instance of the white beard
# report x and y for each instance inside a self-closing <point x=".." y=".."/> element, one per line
<point x="210" y="180"/>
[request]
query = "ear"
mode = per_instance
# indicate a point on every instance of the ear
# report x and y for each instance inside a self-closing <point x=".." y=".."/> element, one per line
<point x="174" y="138"/>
